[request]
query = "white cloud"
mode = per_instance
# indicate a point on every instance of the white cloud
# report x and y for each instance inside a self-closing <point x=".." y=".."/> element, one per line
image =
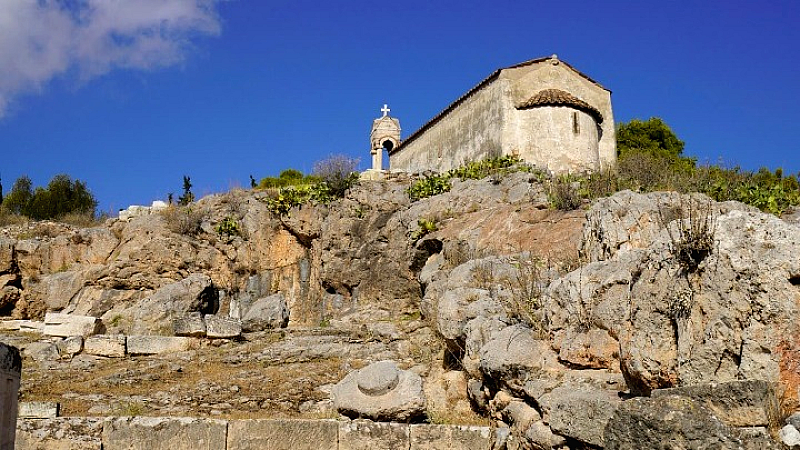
<point x="41" y="39"/>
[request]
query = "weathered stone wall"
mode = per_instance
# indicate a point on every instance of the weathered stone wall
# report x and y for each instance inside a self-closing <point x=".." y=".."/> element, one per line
<point x="487" y="123"/>
<point x="181" y="433"/>
<point x="472" y="131"/>
<point x="528" y="80"/>
<point x="562" y="139"/>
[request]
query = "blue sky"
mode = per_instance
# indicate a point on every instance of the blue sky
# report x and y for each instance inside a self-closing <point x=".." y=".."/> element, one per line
<point x="131" y="95"/>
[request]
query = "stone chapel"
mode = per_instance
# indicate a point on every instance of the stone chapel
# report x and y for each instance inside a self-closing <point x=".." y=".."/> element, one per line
<point x="544" y="111"/>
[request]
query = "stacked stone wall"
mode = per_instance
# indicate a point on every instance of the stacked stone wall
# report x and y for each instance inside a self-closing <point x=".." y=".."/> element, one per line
<point x="182" y="433"/>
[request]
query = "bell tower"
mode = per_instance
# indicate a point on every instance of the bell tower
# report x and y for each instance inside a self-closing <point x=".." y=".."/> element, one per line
<point x="385" y="135"/>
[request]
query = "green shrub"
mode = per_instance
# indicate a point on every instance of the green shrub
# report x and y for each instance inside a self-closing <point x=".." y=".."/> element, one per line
<point x="425" y="226"/>
<point x="338" y="173"/>
<point x="63" y="195"/>
<point x="429" y="186"/>
<point x="475" y="170"/>
<point x="228" y="227"/>
<point x="563" y="195"/>
<point x="287" y="177"/>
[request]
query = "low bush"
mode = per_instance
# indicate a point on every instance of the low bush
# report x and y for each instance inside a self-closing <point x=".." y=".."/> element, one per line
<point x="228" y="227"/>
<point x="425" y="226"/>
<point x="184" y="220"/>
<point x="338" y="173"/>
<point x="475" y="170"/>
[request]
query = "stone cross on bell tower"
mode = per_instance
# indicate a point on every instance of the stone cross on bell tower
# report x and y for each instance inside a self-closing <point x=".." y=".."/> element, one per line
<point x="385" y="135"/>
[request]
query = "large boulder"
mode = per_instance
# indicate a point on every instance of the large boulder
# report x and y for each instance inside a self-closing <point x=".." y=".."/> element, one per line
<point x="515" y="355"/>
<point x="266" y="313"/>
<point x="685" y="423"/>
<point x="380" y="391"/>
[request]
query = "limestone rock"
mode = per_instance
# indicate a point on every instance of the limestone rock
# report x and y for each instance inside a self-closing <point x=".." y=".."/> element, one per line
<point x="222" y="327"/>
<point x="283" y="434"/>
<point x="515" y="355"/>
<point x="67" y="433"/>
<point x="154" y="345"/>
<point x="192" y="325"/>
<point x="746" y="403"/>
<point x="42" y="351"/>
<point x="444" y="437"/>
<point x="790" y="436"/>
<point x="367" y="435"/>
<point x="38" y="410"/>
<point x="66" y="325"/>
<point x="195" y="293"/>
<point x="380" y="391"/>
<point x="266" y="313"/>
<point x="649" y="422"/>
<point x="109" y="345"/>
<point x="68" y="347"/>
<point x="579" y="413"/>
<point x="162" y="433"/>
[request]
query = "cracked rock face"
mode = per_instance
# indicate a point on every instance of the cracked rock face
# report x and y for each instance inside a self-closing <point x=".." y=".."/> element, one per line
<point x="380" y="391"/>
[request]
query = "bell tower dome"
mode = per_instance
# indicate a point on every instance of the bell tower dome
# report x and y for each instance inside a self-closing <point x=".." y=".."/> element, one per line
<point x="385" y="135"/>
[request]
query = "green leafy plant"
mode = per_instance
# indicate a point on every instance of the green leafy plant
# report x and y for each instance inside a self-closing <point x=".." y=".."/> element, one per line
<point x="475" y="170"/>
<point x="228" y="227"/>
<point x="61" y="196"/>
<point x="425" y="226"/>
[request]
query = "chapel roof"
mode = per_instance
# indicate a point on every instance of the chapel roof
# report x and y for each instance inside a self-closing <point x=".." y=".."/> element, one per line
<point x="493" y="76"/>
<point x="557" y="97"/>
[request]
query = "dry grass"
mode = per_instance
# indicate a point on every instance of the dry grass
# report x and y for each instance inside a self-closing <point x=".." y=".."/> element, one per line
<point x="184" y="220"/>
<point x="131" y="386"/>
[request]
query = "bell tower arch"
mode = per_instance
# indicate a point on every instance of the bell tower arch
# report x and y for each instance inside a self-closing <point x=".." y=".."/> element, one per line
<point x="385" y="134"/>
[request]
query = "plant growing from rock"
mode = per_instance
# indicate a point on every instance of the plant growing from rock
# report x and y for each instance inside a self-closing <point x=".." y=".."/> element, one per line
<point x="436" y="184"/>
<point x="563" y="193"/>
<point x="184" y="220"/>
<point x="228" y="227"/>
<point x="527" y="284"/>
<point x="338" y="173"/>
<point x="425" y="226"/>
<point x="693" y="239"/>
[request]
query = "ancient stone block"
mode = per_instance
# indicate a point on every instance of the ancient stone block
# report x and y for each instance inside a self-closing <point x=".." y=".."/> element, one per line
<point x="446" y="437"/>
<point x="154" y="345"/>
<point x="68" y="433"/>
<point x="368" y="435"/>
<point x="283" y="434"/>
<point x="66" y="325"/>
<point x="222" y="327"/>
<point x="163" y="433"/>
<point x="68" y="347"/>
<point x="38" y="410"/>
<point x="110" y="345"/>
<point x="744" y="403"/>
<point x="266" y="313"/>
<point x="192" y="325"/>
<point x="10" y="371"/>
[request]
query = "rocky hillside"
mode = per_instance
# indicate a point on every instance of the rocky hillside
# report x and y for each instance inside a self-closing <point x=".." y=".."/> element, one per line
<point x="638" y="320"/>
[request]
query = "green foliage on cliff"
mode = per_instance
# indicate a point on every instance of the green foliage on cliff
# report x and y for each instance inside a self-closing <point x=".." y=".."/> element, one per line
<point x="331" y="179"/>
<point x="62" y="196"/>
<point x="474" y="170"/>
<point x="650" y="159"/>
